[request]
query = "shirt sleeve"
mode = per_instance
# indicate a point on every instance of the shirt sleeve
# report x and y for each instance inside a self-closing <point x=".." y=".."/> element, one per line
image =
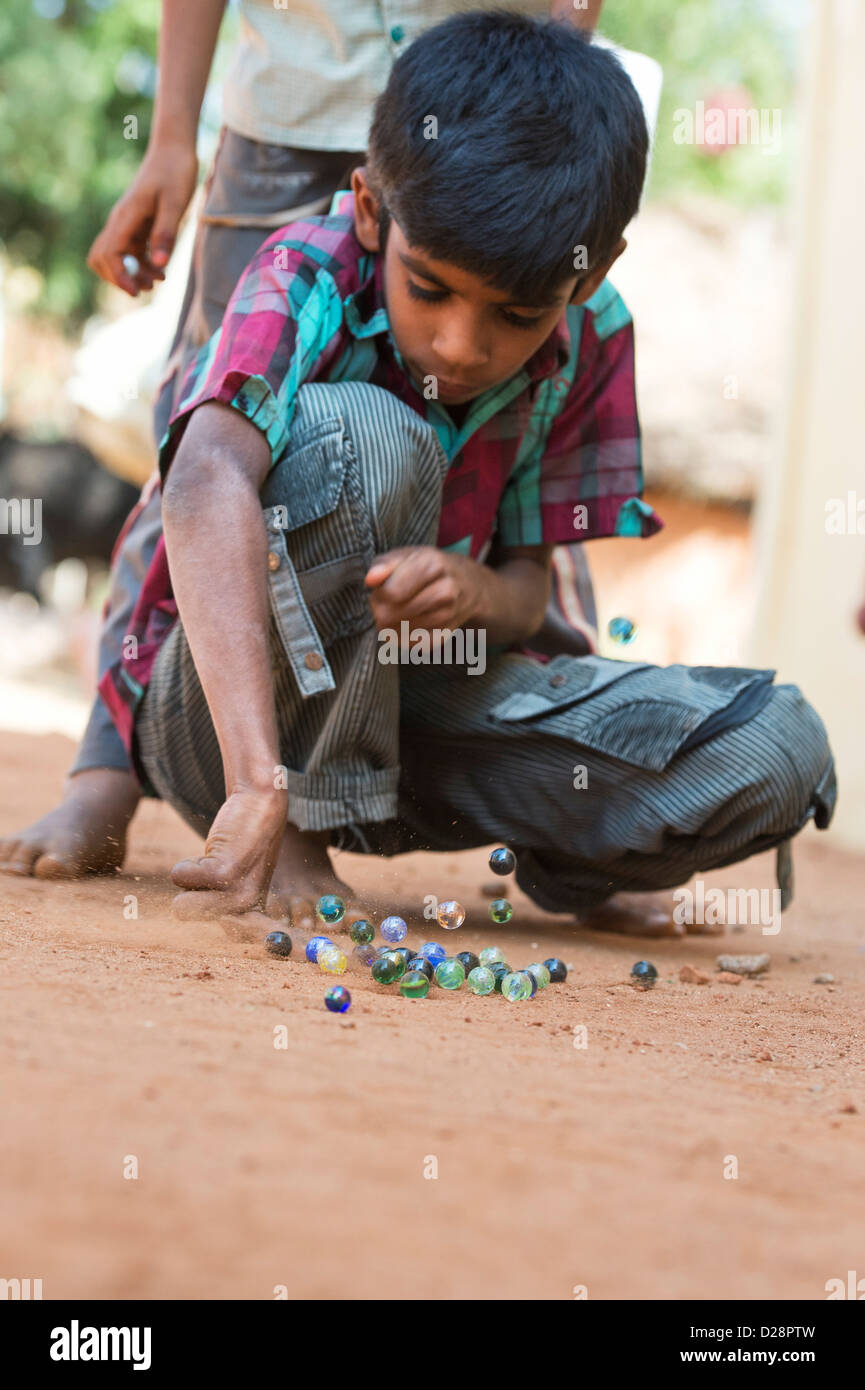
<point x="277" y="327"/>
<point x="584" y="478"/>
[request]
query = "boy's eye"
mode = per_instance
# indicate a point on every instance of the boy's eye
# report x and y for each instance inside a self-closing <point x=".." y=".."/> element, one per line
<point x="519" y="320"/>
<point x="431" y="296"/>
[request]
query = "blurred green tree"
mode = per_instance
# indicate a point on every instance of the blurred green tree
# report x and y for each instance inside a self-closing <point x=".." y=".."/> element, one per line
<point x="76" y="84"/>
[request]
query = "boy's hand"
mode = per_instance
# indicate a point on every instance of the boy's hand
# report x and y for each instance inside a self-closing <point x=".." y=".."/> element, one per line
<point x="234" y="873"/>
<point x="431" y="587"/>
<point x="144" y="222"/>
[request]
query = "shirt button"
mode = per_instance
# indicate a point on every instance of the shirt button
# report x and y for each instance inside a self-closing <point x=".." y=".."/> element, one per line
<point x="313" y="661"/>
<point x="558" y="679"/>
<point x="272" y="560"/>
<point x="397" y="33"/>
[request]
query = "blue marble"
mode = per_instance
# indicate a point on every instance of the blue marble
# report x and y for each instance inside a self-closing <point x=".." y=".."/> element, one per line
<point x="433" y="951"/>
<point x="393" y="929"/>
<point x="503" y="861"/>
<point x="337" y="999"/>
<point x="314" y="945"/>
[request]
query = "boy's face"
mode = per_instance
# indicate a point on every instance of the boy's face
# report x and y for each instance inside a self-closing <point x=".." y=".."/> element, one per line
<point x="451" y="325"/>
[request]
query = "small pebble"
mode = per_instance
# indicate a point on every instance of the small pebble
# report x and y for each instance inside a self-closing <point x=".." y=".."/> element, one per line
<point x="763" y="1056"/>
<point x="823" y="980"/>
<point x="690" y="975"/>
<point x="727" y="977"/>
<point x="744" y="965"/>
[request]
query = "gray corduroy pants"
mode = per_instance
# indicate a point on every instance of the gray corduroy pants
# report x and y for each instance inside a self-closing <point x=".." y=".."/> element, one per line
<point x="601" y="775"/>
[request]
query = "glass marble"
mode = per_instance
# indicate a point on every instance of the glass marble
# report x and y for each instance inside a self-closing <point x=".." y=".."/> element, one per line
<point x="361" y="932"/>
<point x="433" y="951"/>
<point x="450" y="974"/>
<point x="414" y="985"/>
<point x="337" y="999"/>
<point x="365" y="954"/>
<point x="331" y="960"/>
<point x="503" y="861"/>
<point x="384" y="970"/>
<point x="501" y="910"/>
<point x="557" y="968"/>
<point x="330" y="909"/>
<point x="540" y="973"/>
<point x="490" y="955"/>
<point x="644" y="974"/>
<point x="399" y="962"/>
<point x="450" y="915"/>
<point x="622" y="630"/>
<point x="421" y="963"/>
<point x="393" y="929"/>
<point x="480" y="980"/>
<point x="468" y="960"/>
<point x="533" y="984"/>
<point x="278" y="943"/>
<point x="516" y="986"/>
<point x="499" y="970"/>
<point x="314" y="945"/>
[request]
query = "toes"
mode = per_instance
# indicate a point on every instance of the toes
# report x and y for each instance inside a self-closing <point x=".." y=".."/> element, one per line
<point x="17" y="857"/>
<point x="54" y="864"/>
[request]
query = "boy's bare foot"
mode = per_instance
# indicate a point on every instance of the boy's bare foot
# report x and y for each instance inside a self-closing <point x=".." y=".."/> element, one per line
<point x="302" y="875"/>
<point x="85" y="834"/>
<point x="640" y="914"/>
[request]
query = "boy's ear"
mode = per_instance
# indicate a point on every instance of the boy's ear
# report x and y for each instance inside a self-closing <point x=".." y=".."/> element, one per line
<point x="365" y="211"/>
<point x="593" y="279"/>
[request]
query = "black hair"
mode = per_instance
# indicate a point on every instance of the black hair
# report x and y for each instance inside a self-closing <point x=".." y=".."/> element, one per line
<point x="502" y="143"/>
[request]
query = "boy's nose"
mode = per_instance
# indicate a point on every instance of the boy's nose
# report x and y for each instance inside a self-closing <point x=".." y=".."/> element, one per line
<point x="460" y="349"/>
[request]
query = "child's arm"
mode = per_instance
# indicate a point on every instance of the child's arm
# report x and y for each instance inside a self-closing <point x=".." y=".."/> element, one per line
<point x="145" y="220"/>
<point x="437" y="588"/>
<point x="216" y="544"/>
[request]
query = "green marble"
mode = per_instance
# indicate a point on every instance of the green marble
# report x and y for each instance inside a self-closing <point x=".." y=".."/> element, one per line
<point x="481" y="981"/>
<point x="501" y="911"/>
<point x="361" y="932"/>
<point x="491" y="955"/>
<point x="414" y="985"/>
<point x="516" y="986"/>
<point x="450" y="974"/>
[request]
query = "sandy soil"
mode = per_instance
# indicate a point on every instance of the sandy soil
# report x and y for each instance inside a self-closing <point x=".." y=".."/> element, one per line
<point x="304" y="1167"/>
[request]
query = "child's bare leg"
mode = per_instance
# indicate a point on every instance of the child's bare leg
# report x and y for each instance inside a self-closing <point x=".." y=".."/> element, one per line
<point x="85" y="834"/>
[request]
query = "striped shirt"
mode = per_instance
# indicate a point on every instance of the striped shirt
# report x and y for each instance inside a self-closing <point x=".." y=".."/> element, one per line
<point x="551" y="455"/>
<point x="308" y="74"/>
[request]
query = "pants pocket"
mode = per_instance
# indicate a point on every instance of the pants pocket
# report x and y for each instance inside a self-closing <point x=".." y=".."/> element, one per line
<point x="640" y="715"/>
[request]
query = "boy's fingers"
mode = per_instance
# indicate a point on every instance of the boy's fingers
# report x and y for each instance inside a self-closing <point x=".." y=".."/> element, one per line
<point x="208" y="873"/>
<point x="418" y="569"/>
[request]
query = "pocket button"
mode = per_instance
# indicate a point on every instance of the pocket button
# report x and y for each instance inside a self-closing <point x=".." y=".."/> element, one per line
<point x="312" y="661"/>
<point x="558" y="679"/>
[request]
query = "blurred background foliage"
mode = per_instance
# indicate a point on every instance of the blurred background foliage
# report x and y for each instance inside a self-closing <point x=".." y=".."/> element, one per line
<point x="73" y="71"/>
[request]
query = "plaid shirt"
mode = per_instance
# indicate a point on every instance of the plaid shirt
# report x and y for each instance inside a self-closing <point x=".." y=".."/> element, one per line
<point x="551" y="455"/>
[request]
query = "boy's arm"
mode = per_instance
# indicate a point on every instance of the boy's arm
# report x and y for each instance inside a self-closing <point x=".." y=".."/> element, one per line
<point x="216" y="544"/>
<point x="145" y="220"/>
<point x="437" y="588"/>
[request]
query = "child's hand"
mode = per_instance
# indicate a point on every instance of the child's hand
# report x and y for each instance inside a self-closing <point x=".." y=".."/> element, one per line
<point x="430" y="587"/>
<point x="145" y="220"/>
<point x="234" y="873"/>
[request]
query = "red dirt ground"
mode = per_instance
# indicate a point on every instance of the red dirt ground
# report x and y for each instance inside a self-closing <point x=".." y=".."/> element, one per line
<point x="304" y="1167"/>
